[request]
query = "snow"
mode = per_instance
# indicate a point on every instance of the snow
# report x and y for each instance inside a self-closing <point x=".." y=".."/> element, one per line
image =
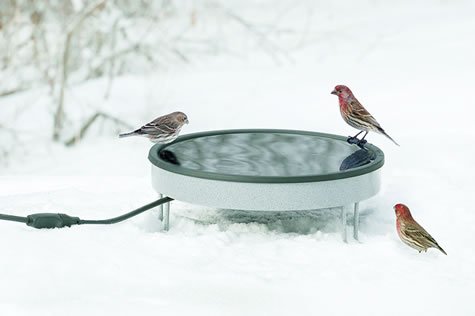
<point x="411" y="65"/>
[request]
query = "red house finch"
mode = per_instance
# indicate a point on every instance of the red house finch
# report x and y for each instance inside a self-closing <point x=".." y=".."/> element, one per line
<point x="411" y="233"/>
<point x="162" y="130"/>
<point x="356" y="115"/>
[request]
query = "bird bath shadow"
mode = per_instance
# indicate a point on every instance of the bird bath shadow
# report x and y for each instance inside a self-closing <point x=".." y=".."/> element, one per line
<point x="301" y="222"/>
<point x="298" y="222"/>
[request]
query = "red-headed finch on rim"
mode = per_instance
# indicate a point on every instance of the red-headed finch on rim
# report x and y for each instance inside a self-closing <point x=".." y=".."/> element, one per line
<point x="162" y="130"/>
<point x="411" y="233"/>
<point x="356" y="115"/>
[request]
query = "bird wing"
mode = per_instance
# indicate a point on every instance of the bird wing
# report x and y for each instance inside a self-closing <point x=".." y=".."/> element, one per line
<point x="161" y="125"/>
<point x="359" y="112"/>
<point x="418" y="234"/>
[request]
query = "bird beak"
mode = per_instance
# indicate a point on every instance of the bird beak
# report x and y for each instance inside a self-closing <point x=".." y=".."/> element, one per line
<point x="333" y="92"/>
<point x="186" y="121"/>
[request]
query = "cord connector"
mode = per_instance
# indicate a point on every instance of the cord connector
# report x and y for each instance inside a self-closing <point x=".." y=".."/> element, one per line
<point x="51" y="220"/>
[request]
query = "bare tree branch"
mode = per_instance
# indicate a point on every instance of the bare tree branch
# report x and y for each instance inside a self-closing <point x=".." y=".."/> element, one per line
<point x="59" y="113"/>
<point x="82" y="131"/>
<point x="272" y="47"/>
<point x="13" y="91"/>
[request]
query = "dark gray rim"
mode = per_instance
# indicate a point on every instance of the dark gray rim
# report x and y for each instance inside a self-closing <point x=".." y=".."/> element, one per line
<point x="154" y="158"/>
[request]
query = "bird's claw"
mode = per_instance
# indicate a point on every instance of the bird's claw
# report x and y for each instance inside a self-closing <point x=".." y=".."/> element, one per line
<point x="352" y="140"/>
<point x="361" y="143"/>
<point x="355" y="141"/>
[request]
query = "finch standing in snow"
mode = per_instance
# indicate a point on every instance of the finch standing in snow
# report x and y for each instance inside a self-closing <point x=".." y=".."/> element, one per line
<point x="411" y="233"/>
<point x="356" y="115"/>
<point x="162" y="130"/>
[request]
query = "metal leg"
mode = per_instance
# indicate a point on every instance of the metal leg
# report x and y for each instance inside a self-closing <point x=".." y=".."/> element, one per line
<point x="343" y="224"/>
<point x="358" y="134"/>
<point x="166" y="216"/>
<point x="364" y="136"/>
<point x="160" y="208"/>
<point x="356" y="220"/>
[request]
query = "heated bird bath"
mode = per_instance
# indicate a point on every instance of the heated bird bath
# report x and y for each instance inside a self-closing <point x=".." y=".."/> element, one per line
<point x="266" y="170"/>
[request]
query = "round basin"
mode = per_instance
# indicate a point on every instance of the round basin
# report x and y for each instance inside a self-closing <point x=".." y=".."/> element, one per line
<point x="266" y="170"/>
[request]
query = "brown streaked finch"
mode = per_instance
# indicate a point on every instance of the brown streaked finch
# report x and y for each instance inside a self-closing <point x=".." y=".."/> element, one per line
<point x="162" y="130"/>
<point x="357" y="116"/>
<point x="411" y="233"/>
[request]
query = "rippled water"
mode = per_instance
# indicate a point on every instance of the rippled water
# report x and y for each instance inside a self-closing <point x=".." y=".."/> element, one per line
<point x="262" y="154"/>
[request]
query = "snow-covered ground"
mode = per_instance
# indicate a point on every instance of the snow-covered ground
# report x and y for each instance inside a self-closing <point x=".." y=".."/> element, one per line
<point x="411" y="65"/>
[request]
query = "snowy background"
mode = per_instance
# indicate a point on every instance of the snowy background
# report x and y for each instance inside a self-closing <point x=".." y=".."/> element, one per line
<point x="235" y="64"/>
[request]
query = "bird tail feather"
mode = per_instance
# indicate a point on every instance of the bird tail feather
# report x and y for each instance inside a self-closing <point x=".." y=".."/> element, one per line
<point x="440" y="248"/>
<point x="385" y="134"/>
<point x="128" y="134"/>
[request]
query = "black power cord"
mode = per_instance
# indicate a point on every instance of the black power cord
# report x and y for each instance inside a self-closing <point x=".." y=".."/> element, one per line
<point x="59" y="220"/>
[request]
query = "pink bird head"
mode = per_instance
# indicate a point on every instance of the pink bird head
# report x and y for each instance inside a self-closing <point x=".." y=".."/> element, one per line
<point x="343" y="92"/>
<point x="402" y="211"/>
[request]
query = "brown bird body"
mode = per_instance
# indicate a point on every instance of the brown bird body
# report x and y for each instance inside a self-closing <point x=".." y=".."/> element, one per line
<point x="163" y="129"/>
<point x="411" y="233"/>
